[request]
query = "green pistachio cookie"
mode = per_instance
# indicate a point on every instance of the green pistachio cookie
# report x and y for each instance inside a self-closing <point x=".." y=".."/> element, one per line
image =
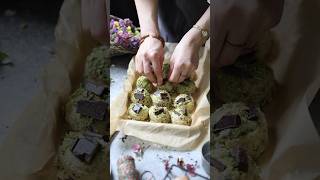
<point x="167" y="86"/>
<point x="186" y="87"/>
<point x="180" y="116"/>
<point x="165" y="71"/>
<point x="238" y="124"/>
<point x="97" y="64"/>
<point x="233" y="163"/>
<point x="159" y="114"/>
<point x="142" y="96"/>
<point x="138" y="112"/>
<point x="161" y="98"/>
<point x="184" y="100"/>
<point x="71" y="165"/>
<point x="143" y="82"/>
<point x="75" y="121"/>
<point x="248" y="80"/>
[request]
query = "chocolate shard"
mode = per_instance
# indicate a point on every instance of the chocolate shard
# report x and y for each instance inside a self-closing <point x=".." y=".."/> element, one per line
<point x="180" y="100"/>
<point x="217" y="164"/>
<point x="164" y="96"/>
<point x="177" y="113"/>
<point x="137" y="108"/>
<point x="94" y="109"/>
<point x="241" y="158"/>
<point x="227" y="122"/>
<point x="94" y="86"/>
<point x="139" y="96"/>
<point x="252" y="114"/>
<point x="85" y="149"/>
<point x="140" y="90"/>
<point x="159" y="111"/>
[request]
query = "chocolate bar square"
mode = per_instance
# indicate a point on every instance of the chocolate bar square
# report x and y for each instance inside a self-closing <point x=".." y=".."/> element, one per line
<point x="94" y="109"/>
<point x="227" y="122"/>
<point x="180" y="100"/>
<point x="139" y="96"/>
<point x="84" y="149"/>
<point x="252" y="114"/>
<point x="159" y="111"/>
<point x="94" y="86"/>
<point x="137" y="108"/>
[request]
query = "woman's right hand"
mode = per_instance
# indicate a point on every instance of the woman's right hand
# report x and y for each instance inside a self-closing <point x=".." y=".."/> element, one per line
<point x="149" y="59"/>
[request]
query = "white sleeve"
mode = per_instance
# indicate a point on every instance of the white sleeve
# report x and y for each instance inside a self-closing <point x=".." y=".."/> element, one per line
<point x="208" y="1"/>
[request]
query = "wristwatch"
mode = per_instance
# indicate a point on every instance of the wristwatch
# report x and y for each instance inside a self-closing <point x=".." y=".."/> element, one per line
<point x="204" y="33"/>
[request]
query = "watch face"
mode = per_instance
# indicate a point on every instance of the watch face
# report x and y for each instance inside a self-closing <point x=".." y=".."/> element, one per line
<point x="204" y="33"/>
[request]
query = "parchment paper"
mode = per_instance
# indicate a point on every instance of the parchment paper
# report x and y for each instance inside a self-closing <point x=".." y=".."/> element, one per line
<point x="180" y="137"/>
<point x="28" y="149"/>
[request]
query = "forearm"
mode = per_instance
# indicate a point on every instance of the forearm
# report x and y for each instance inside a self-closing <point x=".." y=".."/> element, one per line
<point x="94" y="18"/>
<point x="194" y="35"/>
<point x="148" y="16"/>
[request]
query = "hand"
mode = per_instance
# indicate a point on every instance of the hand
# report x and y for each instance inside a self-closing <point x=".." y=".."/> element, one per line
<point x="237" y="26"/>
<point x="149" y="60"/>
<point x="94" y="19"/>
<point x="185" y="58"/>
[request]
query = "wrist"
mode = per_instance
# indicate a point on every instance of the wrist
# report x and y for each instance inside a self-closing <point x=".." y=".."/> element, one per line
<point x="154" y="36"/>
<point x="193" y="38"/>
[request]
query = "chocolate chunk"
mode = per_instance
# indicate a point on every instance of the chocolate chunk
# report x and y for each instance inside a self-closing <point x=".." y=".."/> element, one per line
<point x="227" y="122"/>
<point x="94" y="109"/>
<point x="181" y="100"/>
<point x="95" y="87"/>
<point x="84" y="149"/>
<point x="185" y="112"/>
<point x="252" y="114"/>
<point x="139" y="96"/>
<point x="164" y="96"/>
<point x="159" y="111"/>
<point x="157" y="93"/>
<point x="217" y="164"/>
<point x="137" y="108"/>
<point x="241" y="158"/>
<point x="177" y="113"/>
<point x="140" y="90"/>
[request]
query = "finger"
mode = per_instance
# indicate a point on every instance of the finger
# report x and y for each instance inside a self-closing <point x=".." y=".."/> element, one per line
<point x="174" y="77"/>
<point x="148" y="71"/>
<point x="139" y="66"/>
<point x="191" y="71"/>
<point x="229" y="54"/>
<point x="219" y="32"/>
<point x="183" y="76"/>
<point x="157" y="71"/>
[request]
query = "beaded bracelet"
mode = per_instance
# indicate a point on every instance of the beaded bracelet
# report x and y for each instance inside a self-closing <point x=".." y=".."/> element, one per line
<point x="153" y="36"/>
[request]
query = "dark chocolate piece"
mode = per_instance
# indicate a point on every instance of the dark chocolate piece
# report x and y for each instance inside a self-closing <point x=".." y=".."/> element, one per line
<point x="137" y="108"/>
<point x="159" y="111"/>
<point x="84" y="149"/>
<point x="227" y="122"/>
<point x="140" y="90"/>
<point x="95" y="87"/>
<point x="241" y="158"/>
<point x="164" y="96"/>
<point x="139" y="96"/>
<point x="217" y="164"/>
<point x="185" y="112"/>
<point x="94" y="109"/>
<point x="177" y="113"/>
<point x="252" y="114"/>
<point x="181" y="100"/>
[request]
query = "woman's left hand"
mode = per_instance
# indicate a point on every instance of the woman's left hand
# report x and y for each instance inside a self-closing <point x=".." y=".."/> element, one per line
<point x="185" y="58"/>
